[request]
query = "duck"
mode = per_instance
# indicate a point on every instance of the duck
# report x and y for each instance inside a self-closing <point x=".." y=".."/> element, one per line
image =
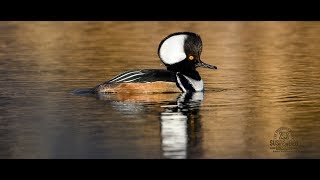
<point x="180" y="53"/>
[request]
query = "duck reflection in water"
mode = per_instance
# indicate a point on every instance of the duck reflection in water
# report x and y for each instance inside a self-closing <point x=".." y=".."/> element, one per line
<point x="180" y="122"/>
<point x="180" y="126"/>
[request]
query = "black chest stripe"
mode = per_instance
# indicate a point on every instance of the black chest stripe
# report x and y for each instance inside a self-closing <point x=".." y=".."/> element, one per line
<point x="185" y="83"/>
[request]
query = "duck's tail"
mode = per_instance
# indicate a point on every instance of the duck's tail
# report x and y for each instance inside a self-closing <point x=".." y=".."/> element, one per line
<point x="84" y="91"/>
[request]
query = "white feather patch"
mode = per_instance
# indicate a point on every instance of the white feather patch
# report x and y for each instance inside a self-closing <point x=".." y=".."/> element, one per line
<point x="126" y="76"/>
<point x="172" y="49"/>
<point x="180" y="84"/>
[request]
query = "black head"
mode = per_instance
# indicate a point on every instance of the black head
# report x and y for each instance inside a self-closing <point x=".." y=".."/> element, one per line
<point x="181" y="52"/>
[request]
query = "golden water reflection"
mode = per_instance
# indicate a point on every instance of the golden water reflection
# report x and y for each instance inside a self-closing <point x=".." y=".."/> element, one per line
<point x="268" y="77"/>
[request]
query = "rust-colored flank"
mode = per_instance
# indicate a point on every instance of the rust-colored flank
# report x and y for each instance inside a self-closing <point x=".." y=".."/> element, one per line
<point x="148" y="87"/>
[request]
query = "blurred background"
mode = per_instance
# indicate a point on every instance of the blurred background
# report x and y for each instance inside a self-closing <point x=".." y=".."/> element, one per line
<point x="267" y="78"/>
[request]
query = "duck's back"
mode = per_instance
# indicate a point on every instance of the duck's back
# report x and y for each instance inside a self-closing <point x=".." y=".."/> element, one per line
<point x="141" y="81"/>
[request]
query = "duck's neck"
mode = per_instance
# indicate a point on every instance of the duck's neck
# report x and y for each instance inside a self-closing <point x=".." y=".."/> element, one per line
<point x="185" y="69"/>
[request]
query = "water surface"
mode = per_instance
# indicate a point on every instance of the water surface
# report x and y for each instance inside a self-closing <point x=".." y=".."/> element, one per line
<point x="268" y="77"/>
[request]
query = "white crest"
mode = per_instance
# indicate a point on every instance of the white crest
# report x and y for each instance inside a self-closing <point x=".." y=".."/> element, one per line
<point x="172" y="49"/>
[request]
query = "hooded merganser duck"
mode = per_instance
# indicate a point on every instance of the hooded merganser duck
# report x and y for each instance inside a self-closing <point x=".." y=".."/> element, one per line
<point x="180" y="52"/>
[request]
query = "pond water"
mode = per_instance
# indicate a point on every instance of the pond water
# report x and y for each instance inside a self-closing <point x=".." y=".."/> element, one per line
<point x="267" y="79"/>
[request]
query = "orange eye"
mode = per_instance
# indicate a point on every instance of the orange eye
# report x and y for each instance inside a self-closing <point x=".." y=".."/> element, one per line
<point x="191" y="58"/>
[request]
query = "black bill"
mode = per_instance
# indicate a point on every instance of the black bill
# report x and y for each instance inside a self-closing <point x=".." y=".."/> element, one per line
<point x="205" y="65"/>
